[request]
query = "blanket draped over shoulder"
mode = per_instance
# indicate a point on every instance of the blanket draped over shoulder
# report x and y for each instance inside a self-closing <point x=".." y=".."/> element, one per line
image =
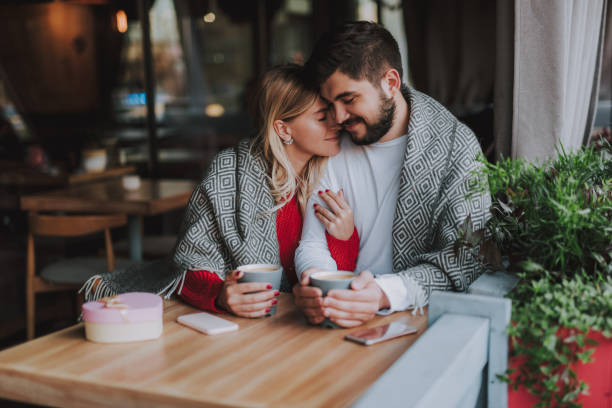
<point x="228" y="222"/>
<point x="440" y="185"/>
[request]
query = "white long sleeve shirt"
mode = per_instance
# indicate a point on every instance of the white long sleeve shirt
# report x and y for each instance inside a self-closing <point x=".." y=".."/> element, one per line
<point x="369" y="176"/>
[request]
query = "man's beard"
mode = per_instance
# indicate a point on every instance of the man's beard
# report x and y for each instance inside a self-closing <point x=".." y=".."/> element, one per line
<point x="377" y="130"/>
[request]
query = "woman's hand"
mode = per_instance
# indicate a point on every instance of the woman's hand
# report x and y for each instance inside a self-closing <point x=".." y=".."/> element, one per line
<point x="339" y="221"/>
<point x="240" y="299"/>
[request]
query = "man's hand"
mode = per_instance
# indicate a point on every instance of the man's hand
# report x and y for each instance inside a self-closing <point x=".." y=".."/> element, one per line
<point x="350" y="308"/>
<point x="308" y="298"/>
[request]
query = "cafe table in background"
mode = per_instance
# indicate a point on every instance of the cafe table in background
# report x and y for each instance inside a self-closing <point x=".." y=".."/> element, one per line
<point x="275" y="361"/>
<point x="155" y="196"/>
<point x="17" y="179"/>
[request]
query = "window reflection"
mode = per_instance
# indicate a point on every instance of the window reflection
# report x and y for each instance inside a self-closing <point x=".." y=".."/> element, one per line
<point x="88" y="68"/>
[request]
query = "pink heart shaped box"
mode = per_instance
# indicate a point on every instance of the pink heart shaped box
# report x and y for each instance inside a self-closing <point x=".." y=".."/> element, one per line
<point x="132" y="316"/>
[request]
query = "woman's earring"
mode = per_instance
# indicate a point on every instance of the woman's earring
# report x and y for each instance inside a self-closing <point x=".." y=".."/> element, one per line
<point x="288" y="142"/>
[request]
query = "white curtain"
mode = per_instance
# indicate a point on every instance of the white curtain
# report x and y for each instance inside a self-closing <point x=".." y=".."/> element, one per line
<point x="557" y="56"/>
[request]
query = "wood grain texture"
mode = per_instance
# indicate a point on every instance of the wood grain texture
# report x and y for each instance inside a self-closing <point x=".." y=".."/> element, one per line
<point x="57" y="75"/>
<point x="274" y="361"/>
<point x="87" y="177"/>
<point x="73" y="225"/>
<point x="153" y="197"/>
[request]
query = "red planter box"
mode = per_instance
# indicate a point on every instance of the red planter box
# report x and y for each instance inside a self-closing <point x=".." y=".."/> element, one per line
<point x="597" y="374"/>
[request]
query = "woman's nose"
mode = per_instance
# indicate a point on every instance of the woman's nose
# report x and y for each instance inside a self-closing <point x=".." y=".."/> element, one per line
<point x="332" y="123"/>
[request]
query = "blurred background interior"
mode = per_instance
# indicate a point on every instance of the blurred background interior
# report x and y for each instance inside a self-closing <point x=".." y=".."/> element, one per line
<point x="160" y="86"/>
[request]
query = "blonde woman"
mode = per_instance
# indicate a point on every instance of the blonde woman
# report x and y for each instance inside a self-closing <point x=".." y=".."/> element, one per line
<point x="249" y="207"/>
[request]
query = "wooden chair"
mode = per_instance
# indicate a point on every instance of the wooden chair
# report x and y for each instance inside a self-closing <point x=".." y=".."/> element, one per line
<point x="67" y="274"/>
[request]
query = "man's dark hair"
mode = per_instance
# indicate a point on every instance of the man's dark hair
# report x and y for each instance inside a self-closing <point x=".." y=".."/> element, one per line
<point x="359" y="49"/>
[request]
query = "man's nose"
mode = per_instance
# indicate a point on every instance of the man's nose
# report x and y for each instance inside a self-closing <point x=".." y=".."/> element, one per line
<point x="340" y="114"/>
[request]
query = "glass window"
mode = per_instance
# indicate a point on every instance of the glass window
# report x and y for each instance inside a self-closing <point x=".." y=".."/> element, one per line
<point x="203" y="62"/>
<point x="291" y="33"/>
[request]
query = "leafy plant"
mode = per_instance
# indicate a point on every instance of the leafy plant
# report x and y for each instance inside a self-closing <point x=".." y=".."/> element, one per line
<point x="554" y="217"/>
<point x="551" y="321"/>
<point x="551" y="223"/>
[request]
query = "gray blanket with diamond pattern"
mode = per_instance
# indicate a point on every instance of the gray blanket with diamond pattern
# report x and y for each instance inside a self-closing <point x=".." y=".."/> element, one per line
<point x="438" y="190"/>
<point x="227" y="223"/>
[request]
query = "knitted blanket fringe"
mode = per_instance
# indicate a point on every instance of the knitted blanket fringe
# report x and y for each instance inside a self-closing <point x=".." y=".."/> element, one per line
<point x="103" y="290"/>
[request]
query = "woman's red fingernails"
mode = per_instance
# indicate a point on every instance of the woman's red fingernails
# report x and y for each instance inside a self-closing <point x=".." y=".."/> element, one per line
<point x="320" y="192"/>
<point x="269" y="287"/>
<point x="276" y="293"/>
<point x="274" y="301"/>
<point x="315" y="205"/>
<point x="327" y="190"/>
<point x="267" y="310"/>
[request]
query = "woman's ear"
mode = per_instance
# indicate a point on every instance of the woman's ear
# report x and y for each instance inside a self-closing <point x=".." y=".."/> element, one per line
<point x="391" y="82"/>
<point x="282" y="130"/>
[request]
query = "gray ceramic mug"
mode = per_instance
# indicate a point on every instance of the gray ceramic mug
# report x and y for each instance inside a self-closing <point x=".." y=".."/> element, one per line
<point x="268" y="273"/>
<point x="329" y="280"/>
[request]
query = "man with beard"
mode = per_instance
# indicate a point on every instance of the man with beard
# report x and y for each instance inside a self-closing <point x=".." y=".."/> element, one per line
<point x="408" y="174"/>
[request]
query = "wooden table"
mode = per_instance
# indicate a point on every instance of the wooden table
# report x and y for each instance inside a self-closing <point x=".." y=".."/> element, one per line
<point x="24" y="175"/>
<point x="274" y="361"/>
<point x="17" y="180"/>
<point x="108" y="196"/>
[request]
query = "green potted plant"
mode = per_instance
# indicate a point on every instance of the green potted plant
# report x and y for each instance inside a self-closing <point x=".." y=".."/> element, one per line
<point x="551" y="224"/>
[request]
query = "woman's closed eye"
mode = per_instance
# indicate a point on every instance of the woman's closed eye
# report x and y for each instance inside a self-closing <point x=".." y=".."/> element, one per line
<point x="348" y="101"/>
<point x="323" y="117"/>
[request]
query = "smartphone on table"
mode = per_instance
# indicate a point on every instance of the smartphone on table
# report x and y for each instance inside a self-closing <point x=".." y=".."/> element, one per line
<point x="207" y="323"/>
<point x="381" y="333"/>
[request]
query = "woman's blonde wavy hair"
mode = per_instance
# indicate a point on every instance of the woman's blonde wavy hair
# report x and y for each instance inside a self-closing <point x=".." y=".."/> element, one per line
<point x="283" y="94"/>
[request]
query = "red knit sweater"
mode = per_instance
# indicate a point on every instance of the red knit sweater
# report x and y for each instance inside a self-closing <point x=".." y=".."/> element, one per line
<point x="201" y="288"/>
